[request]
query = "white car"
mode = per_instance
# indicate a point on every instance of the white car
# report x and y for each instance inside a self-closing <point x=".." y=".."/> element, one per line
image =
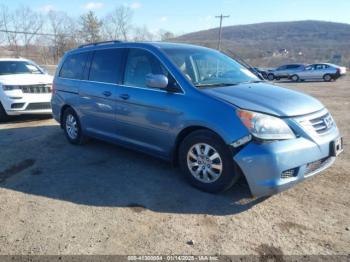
<point x="25" y="88"/>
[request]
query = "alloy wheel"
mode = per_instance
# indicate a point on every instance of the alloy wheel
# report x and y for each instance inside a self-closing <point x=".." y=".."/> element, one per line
<point x="204" y="163"/>
<point x="327" y="78"/>
<point x="71" y="127"/>
<point x="295" y="78"/>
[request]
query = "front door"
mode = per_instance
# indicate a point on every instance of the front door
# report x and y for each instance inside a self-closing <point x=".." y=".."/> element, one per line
<point x="147" y="115"/>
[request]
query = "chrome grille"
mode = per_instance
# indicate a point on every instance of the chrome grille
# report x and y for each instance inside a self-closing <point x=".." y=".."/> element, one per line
<point x="322" y="124"/>
<point x="36" y="89"/>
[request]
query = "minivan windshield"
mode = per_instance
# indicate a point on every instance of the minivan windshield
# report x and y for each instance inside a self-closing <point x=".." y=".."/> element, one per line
<point x="207" y="68"/>
<point x="18" y="67"/>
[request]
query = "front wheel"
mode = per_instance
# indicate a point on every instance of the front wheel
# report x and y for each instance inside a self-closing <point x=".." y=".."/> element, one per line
<point x="295" y="78"/>
<point x="271" y="77"/>
<point x="208" y="162"/>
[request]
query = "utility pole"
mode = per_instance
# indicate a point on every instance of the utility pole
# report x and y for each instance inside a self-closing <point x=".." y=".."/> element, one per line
<point x="220" y="30"/>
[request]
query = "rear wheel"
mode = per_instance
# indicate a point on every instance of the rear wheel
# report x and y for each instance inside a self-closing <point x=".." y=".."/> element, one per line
<point x="327" y="78"/>
<point x="72" y="128"/>
<point x="3" y="115"/>
<point x="207" y="162"/>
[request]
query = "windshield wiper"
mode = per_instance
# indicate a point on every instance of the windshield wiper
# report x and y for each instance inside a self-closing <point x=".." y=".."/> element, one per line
<point x="253" y="82"/>
<point x="216" y="84"/>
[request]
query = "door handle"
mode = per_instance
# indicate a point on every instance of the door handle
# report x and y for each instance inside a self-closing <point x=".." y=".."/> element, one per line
<point x="124" y="96"/>
<point x="107" y="93"/>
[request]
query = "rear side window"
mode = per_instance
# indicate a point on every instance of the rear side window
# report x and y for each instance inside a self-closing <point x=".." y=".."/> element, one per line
<point x="321" y="67"/>
<point x="106" y="66"/>
<point x="74" y="66"/>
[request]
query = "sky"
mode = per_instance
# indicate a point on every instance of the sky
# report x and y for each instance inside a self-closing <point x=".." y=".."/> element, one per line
<point x="184" y="16"/>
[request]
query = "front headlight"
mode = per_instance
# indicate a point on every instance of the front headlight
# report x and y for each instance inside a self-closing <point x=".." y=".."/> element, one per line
<point x="10" y="87"/>
<point x="265" y="127"/>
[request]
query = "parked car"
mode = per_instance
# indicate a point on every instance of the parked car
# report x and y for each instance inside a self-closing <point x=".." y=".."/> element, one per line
<point x="285" y="71"/>
<point x="198" y="108"/>
<point x="327" y="72"/>
<point x="25" y="88"/>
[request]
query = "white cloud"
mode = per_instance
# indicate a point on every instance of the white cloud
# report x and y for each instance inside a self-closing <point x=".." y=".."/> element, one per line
<point x="135" y="5"/>
<point x="93" y="5"/>
<point x="163" y="19"/>
<point x="46" y="8"/>
<point x="206" y="18"/>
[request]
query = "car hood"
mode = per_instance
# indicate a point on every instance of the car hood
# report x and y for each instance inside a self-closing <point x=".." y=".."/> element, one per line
<point x="267" y="98"/>
<point x="25" y="79"/>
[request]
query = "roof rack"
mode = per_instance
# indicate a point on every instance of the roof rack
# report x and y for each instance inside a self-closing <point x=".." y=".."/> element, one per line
<point x="101" y="43"/>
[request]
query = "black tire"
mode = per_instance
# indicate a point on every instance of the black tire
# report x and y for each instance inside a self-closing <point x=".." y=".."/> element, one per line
<point x="295" y="78"/>
<point x="271" y="77"/>
<point x="80" y="137"/>
<point x="277" y="78"/>
<point x="230" y="172"/>
<point x="327" y="78"/>
<point x="3" y="116"/>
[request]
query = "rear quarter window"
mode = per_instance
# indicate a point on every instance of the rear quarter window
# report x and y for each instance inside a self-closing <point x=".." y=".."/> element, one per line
<point x="74" y="65"/>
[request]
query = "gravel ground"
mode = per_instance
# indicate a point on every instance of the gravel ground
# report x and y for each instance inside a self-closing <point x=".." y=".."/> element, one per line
<point x="56" y="198"/>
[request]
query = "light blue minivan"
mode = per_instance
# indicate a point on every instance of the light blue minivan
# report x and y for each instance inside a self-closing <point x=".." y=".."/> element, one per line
<point x="197" y="108"/>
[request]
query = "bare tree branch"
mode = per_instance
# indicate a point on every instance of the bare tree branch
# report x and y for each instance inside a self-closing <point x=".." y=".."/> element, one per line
<point x="117" y="24"/>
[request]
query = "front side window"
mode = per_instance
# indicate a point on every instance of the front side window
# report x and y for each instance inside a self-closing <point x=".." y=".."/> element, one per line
<point x="139" y="64"/>
<point x="106" y="66"/>
<point x="73" y="67"/>
<point x="209" y="68"/>
<point x="19" y="67"/>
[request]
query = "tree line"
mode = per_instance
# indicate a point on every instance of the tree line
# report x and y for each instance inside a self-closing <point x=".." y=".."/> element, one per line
<point x="45" y="37"/>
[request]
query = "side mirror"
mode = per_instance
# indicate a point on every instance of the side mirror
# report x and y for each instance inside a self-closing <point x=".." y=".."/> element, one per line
<point x="157" y="81"/>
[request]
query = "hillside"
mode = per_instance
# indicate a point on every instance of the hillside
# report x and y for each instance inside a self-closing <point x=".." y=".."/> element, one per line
<point x="270" y="44"/>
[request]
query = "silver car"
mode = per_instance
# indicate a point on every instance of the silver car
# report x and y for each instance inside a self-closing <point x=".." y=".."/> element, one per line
<point x="327" y="72"/>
